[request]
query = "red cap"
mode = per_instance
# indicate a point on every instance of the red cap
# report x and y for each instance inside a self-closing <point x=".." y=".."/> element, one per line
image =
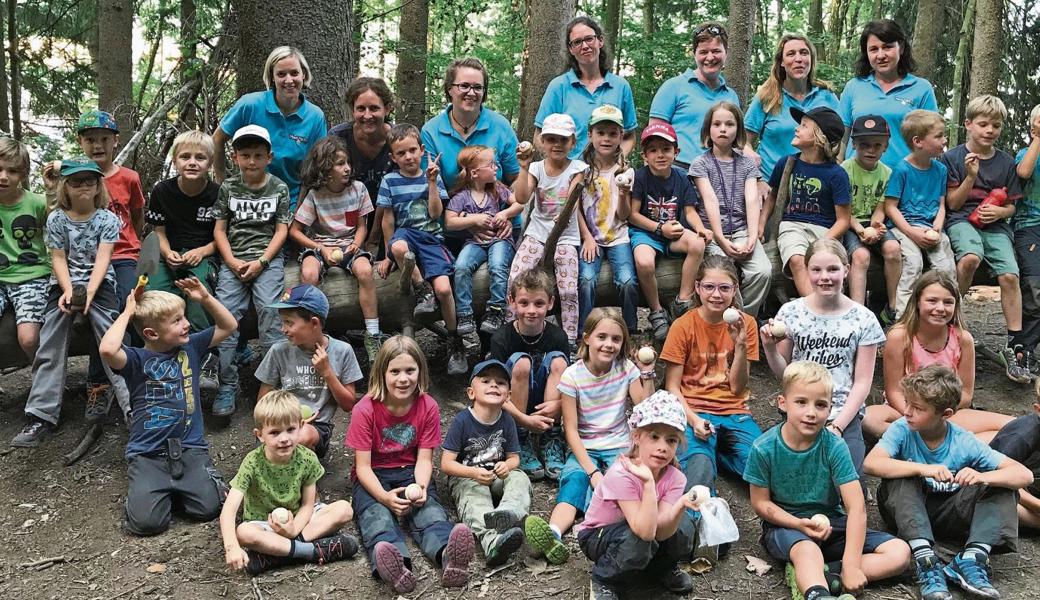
<point x="661" y="130"/>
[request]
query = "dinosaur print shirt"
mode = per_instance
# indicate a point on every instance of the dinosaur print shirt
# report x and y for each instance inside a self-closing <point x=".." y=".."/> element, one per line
<point x="479" y="444"/>
<point x="816" y="188"/>
<point x="394" y="441"/>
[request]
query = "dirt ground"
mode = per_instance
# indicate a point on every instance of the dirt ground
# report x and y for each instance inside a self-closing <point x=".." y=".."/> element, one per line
<point x="72" y="514"/>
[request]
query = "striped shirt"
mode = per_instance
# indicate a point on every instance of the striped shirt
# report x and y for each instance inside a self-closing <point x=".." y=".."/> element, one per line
<point x="407" y="197"/>
<point x="601" y="403"/>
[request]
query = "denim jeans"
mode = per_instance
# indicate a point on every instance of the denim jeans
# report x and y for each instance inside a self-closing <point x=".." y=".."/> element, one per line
<point x="729" y="447"/>
<point x="618" y="555"/>
<point x="623" y="267"/>
<point x="235" y="295"/>
<point x="499" y="255"/>
<point x="125" y="270"/>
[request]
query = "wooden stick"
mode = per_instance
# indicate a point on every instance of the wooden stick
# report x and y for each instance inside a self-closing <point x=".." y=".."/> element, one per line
<point x="43" y="561"/>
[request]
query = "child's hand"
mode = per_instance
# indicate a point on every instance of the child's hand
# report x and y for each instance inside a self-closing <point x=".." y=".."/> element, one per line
<point x="251" y="270"/>
<point x="919" y="235"/>
<point x="971" y="164"/>
<point x="286" y="530"/>
<point x="672" y="230"/>
<point x="394" y="501"/>
<point x="853" y="580"/>
<point x="501" y="470"/>
<point x="989" y="213"/>
<point x="421" y="500"/>
<point x="968" y="476"/>
<point x="326" y="254"/>
<point x="937" y="472"/>
<point x="483" y="476"/>
<point x="65" y="302"/>
<point x="51" y="173"/>
<point x="589" y="250"/>
<point x="703" y="429"/>
<point x="809" y="528"/>
<point x="641" y="471"/>
<point x="538" y="423"/>
<point x="320" y="361"/>
<point x="384" y="268"/>
<point x="706" y="235"/>
<point x="736" y="332"/>
<point x="192" y="288"/>
<point x="235" y="558"/>
<point x="765" y="333"/>
<point x="432" y="168"/>
<point x="525" y="154"/>
<point x="193" y="257"/>
<point x="90" y="299"/>
<point x="174" y="259"/>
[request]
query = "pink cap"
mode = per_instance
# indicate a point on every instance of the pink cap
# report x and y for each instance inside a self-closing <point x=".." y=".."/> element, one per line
<point x="661" y="130"/>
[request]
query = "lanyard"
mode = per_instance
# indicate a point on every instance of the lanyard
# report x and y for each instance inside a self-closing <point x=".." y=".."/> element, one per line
<point x="725" y="192"/>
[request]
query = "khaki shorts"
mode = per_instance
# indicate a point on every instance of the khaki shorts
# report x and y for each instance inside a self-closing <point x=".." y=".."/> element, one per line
<point x="795" y="238"/>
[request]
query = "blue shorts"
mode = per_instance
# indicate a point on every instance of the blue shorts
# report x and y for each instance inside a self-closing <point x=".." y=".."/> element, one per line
<point x="852" y="242"/>
<point x="575" y="488"/>
<point x="638" y="237"/>
<point x="431" y="255"/>
<point x="729" y="446"/>
<point x="539" y="375"/>
<point x="778" y="541"/>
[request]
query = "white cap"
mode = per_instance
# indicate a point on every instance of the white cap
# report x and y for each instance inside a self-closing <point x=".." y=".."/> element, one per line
<point x="558" y="124"/>
<point x="251" y="131"/>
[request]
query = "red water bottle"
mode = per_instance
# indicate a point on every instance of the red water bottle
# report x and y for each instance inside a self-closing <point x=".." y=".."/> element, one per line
<point x="996" y="197"/>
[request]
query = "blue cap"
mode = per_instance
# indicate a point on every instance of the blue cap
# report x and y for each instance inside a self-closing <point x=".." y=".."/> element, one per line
<point x="306" y="297"/>
<point x="490" y="364"/>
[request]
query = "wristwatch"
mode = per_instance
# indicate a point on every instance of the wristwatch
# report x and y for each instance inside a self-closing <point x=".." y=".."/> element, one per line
<point x="263" y="262"/>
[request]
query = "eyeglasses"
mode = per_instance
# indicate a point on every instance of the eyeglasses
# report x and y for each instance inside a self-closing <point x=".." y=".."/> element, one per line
<point x="493" y="165"/>
<point x="81" y="182"/>
<point x="575" y="44"/>
<point x="466" y="87"/>
<point x="713" y="29"/>
<point x="723" y="288"/>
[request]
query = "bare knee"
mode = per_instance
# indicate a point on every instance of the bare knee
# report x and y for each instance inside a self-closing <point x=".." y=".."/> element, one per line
<point x="796" y="263"/>
<point x="362" y="270"/>
<point x="645" y="258"/>
<point x="522" y="368"/>
<point x="442" y="288"/>
<point x="558" y="366"/>
<point x="341" y="512"/>
<point x="248" y="534"/>
<point x="890" y="250"/>
<point x="1008" y="281"/>
<point x="399" y="249"/>
<point x="861" y="258"/>
<point x="309" y="436"/>
<point x="309" y="271"/>
<point x="29" y="338"/>
<point x="969" y="261"/>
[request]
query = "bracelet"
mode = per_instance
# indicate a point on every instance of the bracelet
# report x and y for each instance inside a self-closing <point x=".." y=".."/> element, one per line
<point x="591" y="473"/>
<point x="648" y="374"/>
<point x="836" y="426"/>
<point x="657" y="231"/>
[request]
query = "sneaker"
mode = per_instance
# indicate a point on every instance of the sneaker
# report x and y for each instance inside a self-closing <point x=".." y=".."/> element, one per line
<point x="554" y="452"/>
<point x="677" y="581"/>
<point x="425" y="301"/>
<point x="530" y="463"/>
<point x="32" y="434"/>
<point x="456" y="556"/>
<point x="224" y="404"/>
<point x="244" y="355"/>
<point x="930" y="579"/>
<point x="457" y="363"/>
<point x="603" y="591"/>
<point x="372" y="344"/>
<point x="542" y="540"/>
<point x="259" y="562"/>
<point x="679" y="307"/>
<point x="391" y="568"/>
<point x="659" y="325"/>
<point x="99" y="399"/>
<point x="208" y="381"/>
<point x="1014" y="361"/>
<point x="466" y="325"/>
<point x="335" y="547"/>
<point x="1033" y="363"/>
<point x="972" y="575"/>
<point x="505" y="546"/>
<point x="501" y="520"/>
<point x="494" y="319"/>
<point x="887" y="317"/>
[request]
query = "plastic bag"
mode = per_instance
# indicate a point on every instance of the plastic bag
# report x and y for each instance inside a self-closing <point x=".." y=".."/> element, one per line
<point x="716" y="525"/>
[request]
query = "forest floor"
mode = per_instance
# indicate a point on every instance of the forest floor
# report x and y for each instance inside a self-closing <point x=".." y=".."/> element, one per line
<point x="72" y="514"/>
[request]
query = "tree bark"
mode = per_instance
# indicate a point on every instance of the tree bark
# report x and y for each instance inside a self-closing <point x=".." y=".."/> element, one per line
<point x="779" y="17"/>
<point x="930" y="21"/>
<point x="612" y="24"/>
<point x="959" y="69"/>
<point x="5" y="103"/>
<point x="649" y="27"/>
<point x="320" y="29"/>
<point x="115" y="61"/>
<point x="411" y="62"/>
<point x="544" y="56"/>
<point x="15" y="73"/>
<point x="987" y="47"/>
<point x="189" y="39"/>
<point x="836" y="26"/>
<point x="816" y="25"/>
<point x="878" y="11"/>
<point x="741" y="32"/>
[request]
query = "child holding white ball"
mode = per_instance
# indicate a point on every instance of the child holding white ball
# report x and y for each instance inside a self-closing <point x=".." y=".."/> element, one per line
<point x="282" y="520"/>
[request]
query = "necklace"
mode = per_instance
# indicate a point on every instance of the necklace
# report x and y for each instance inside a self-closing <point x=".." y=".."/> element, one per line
<point x="516" y="327"/>
<point x="465" y="128"/>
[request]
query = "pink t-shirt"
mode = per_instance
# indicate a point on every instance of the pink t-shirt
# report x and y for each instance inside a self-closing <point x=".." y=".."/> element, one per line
<point x="394" y="441"/>
<point x="619" y="484"/>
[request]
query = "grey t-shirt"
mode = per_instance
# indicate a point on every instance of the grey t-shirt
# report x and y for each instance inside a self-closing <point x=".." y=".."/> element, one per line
<point x="727" y="178"/>
<point x="289" y="368"/>
<point x="80" y="241"/>
<point x="252" y="215"/>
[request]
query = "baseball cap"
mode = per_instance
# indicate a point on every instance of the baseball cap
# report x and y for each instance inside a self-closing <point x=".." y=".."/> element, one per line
<point x="96" y="119"/>
<point x="306" y="297"/>
<point x="79" y="164"/>
<point x="558" y="124"/>
<point x="607" y="112"/>
<point x="251" y="132"/>
<point x="829" y="122"/>
<point x="661" y="130"/>
<point x="870" y="125"/>
<point x="662" y="407"/>
<point x="490" y="364"/>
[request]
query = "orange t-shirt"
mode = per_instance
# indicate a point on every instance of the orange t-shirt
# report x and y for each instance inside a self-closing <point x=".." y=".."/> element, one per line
<point x="125" y="194"/>
<point x="705" y="351"/>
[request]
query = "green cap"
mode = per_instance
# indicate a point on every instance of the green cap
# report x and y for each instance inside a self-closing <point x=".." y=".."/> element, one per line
<point x="96" y="119"/>
<point x="79" y="164"/>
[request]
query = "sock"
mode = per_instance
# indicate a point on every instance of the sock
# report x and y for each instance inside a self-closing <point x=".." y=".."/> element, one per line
<point x="556" y="532"/>
<point x="921" y="549"/>
<point x="301" y="549"/>
<point x="816" y="591"/>
<point x="372" y="326"/>
<point x="976" y="551"/>
<point x="1012" y="338"/>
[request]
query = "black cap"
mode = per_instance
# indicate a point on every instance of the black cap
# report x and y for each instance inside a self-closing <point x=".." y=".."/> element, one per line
<point x="870" y="125"/>
<point x="828" y="121"/>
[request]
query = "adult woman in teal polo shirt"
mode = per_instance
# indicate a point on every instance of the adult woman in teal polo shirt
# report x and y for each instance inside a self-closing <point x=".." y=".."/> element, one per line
<point x="885" y="86"/>
<point x="684" y="99"/>
<point x="293" y="123"/>
<point x="586" y="85"/>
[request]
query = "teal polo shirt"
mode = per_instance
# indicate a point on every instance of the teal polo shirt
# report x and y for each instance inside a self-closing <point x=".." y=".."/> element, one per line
<point x="491" y="130"/>
<point x="863" y="96"/>
<point x="775" y="132"/>
<point x="291" y="135"/>
<point x="683" y="101"/>
<point x="567" y="95"/>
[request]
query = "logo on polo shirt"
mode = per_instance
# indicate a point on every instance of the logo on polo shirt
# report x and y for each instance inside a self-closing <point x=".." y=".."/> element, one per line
<point x="299" y="139"/>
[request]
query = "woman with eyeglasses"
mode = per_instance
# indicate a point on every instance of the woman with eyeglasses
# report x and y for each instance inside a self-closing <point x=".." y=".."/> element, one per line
<point x="885" y="86"/>
<point x="587" y="84"/>
<point x="683" y="100"/>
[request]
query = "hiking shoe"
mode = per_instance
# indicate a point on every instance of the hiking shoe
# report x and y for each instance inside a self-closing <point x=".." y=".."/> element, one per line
<point x="972" y="575"/>
<point x="505" y="546"/>
<point x="833" y="578"/>
<point x="425" y="301"/>
<point x="659" y="325"/>
<point x="542" y="540"/>
<point x="501" y="520"/>
<point x="208" y="381"/>
<point x="930" y="579"/>
<point x="603" y="591"/>
<point x="391" y="568"/>
<point x="244" y="355"/>
<point x="456" y="556"/>
<point x="457" y="363"/>
<point x="259" y="562"/>
<point x="224" y="404"/>
<point x="99" y="398"/>
<point x="32" y="434"/>
<point x="1014" y="360"/>
<point x="494" y="318"/>
<point x="679" y="307"/>
<point x="466" y="325"/>
<point x="554" y="452"/>
<point x="373" y="342"/>
<point x="1033" y="363"/>
<point x="530" y="463"/>
<point x="677" y="581"/>
<point x="887" y="317"/>
<point x="335" y="547"/>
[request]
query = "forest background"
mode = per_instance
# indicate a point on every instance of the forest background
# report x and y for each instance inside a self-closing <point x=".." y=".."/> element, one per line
<point x="162" y="66"/>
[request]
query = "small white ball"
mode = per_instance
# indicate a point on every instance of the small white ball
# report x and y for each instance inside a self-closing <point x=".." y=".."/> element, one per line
<point x="931" y="235"/>
<point x="281" y="515"/>
<point x="525" y="149"/>
<point x="413" y="492"/>
<point x="870" y="232"/>
<point x="337" y="256"/>
<point x="699" y="494"/>
<point x="731" y="315"/>
<point x="646" y="355"/>
<point x="778" y="330"/>
<point x="623" y="179"/>
<point x="820" y="521"/>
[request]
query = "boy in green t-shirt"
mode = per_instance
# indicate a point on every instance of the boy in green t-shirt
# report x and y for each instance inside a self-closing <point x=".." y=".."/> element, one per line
<point x="276" y="487"/>
<point x="800" y="476"/>
<point x="867" y="235"/>
<point x="25" y="266"/>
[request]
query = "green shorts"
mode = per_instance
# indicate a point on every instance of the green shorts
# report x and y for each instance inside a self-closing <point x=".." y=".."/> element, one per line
<point x="994" y="247"/>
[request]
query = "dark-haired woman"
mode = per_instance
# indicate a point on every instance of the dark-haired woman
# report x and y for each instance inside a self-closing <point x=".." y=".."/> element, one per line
<point x="370" y="103"/>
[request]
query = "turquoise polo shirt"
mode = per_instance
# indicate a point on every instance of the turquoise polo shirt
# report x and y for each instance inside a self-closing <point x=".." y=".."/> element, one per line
<point x="863" y="96"/>
<point x="491" y="130"/>
<point x="775" y="132"/>
<point x="683" y="101"/>
<point x="291" y="135"/>
<point x="567" y="95"/>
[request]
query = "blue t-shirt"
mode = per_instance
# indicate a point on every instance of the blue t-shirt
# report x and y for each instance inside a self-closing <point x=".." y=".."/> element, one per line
<point x="491" y="130"/>
<point x="919" y="191"/>
<point x="479" y="445"/>
<point x="816" y="188"/>
<point x="164" y="395"/>
<point x="776" y="131"/>
<point x="566" y="94"/>
<point x="663" y="199"/>
<point x="863" y="96"/>
<point x="407" y="197"/>
<point x="291" y="135"/>
<point x="683" y="101"/>
<point x="803" y="482"/>
<point x="1027" y="210"/>
<point x="960" y="449"/>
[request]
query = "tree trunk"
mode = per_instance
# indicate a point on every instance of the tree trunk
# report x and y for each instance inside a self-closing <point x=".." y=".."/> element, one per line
<point x="959" y="69"/>
<point x="115" y="61"/>
<point x="146" y="77"/>
<point x="411" y="62"/>
<point x="878" y="11"/>
<point x="544" y="56"/>
<point x="189" y="39"/>
<point x="741" y="32"/>
<point x="612" y="24"/>
<point x="15" y="73"/>
<point x="320" y="29"/>
<point x="816" y="26"/>
<point x="836" y="26"/>
<point x="5" y="104"/>
<point x="779" y="17"/>
<point x="649" y="27"/>
<point x="930" y="19"/>
<point x="987" y="47"/>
